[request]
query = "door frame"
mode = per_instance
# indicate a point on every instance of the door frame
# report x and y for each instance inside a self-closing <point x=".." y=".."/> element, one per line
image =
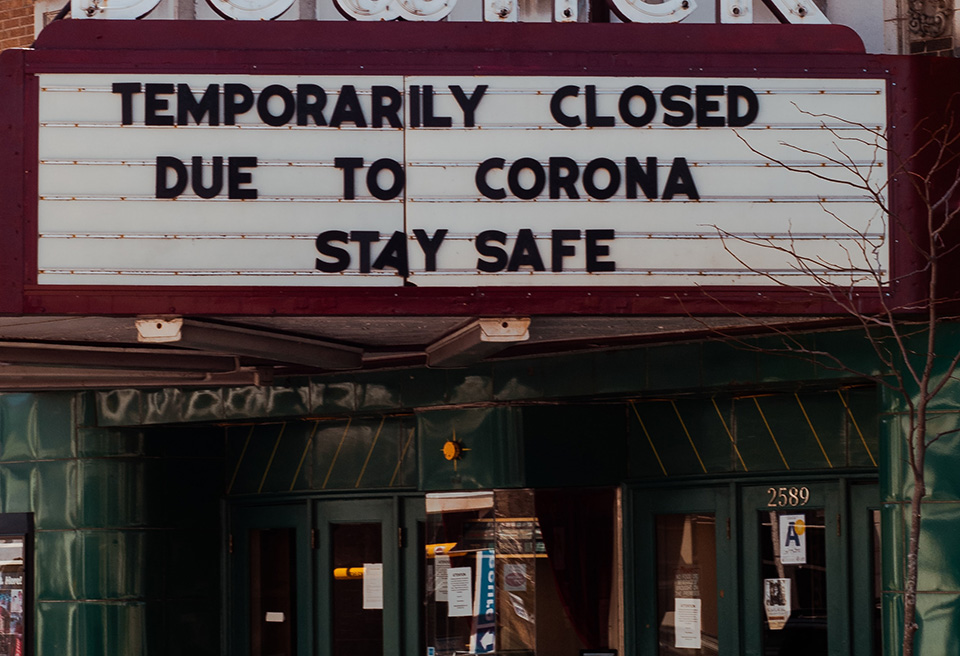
<point x="241" y="519"/>
<point x="643" y="507"/>
<point x="356" y="511"/>
<point x="825" y="495"/>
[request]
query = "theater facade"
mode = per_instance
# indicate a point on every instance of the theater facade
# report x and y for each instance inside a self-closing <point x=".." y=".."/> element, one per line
<point x="362" y="339"/>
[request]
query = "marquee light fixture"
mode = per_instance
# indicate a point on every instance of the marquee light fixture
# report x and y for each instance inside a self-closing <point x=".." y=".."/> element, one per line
<point x="261" y="344"/>
<point x="477" y="340"/>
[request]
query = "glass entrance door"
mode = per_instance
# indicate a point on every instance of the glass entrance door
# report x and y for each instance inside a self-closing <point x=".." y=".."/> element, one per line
<point x="358" y="578"/>
<point x="810" y="553"/>
<point x="694" y="613"/>
<point x="325" y="578"/>
<point x="270" y="581"/>
<point x="757" y="570"/>
<point x="793" y="572"/>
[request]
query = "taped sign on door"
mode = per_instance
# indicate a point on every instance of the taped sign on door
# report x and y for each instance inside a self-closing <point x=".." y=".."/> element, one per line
<point x="793" y="539"/>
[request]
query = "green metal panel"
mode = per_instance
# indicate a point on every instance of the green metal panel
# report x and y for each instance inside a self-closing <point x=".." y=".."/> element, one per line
<point x="774" y="431"/>
<point x="113" y="564"/>
<point x="938" y="616"/>
<point x="939" y="537"/>
<point x="58" y="628"/>
<point x="892" y="623"/>
<point x="108" y="628"/>
<point x="333" y="454"/>
<point x="36" y="426"/>
<point x="58" y="559"/>
<point x="492" y="435"/>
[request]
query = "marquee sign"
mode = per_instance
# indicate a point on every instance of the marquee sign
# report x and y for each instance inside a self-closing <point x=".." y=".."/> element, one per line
<point x="167" y="179"/>
<point x="314" y="169"/>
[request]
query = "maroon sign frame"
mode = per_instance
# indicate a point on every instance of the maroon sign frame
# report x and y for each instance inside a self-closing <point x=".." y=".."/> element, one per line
<point x="918" y="90"/>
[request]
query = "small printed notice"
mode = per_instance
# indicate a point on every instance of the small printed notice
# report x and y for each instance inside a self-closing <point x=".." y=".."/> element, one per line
<point x="776" y="602"/>
<point x="442" y="564"/>
<point x="793" y="539"/>
<point x="372" y="586"/>
<point x="515" y="577"/>
<point x="519" y="608"/>
<point x="687" y="623"/>
<point x="16" y="601"/>
<point x="459" y="592"/>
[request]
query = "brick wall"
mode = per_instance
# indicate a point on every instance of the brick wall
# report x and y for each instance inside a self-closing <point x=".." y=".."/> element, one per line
<point x="16" y="23"/>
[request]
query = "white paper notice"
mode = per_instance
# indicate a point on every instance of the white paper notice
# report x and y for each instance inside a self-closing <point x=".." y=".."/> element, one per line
<point x="442" y="564"/>
<point x="793" y="539"/>
<point x="459" y="592"/>
<point x="372" y="586"/>
<point x="687" y="623"/>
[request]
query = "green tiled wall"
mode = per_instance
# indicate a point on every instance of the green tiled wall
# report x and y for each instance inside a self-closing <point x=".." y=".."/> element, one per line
<point x="126" y="525"/>
<point x="938" y="599"/>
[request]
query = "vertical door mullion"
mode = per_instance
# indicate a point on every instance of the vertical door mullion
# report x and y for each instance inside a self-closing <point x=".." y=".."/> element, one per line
<point x="863" y="500"/>
<point x="412" y="558"/>
<point x="838" y="608"/>
<point x="727" y="583"/>
<point x="752" y="600"/>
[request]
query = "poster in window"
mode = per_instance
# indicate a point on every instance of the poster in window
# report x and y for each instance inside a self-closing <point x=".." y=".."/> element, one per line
<point x="12" y="577"/>
<point x="776" y="602"/>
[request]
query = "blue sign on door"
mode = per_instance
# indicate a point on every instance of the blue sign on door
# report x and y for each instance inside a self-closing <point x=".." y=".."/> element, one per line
<point x="484" y="638"/>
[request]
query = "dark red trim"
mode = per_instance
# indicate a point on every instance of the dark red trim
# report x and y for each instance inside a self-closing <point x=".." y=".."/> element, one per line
<point x="12" y="180"/>
<point x="31" y="153"/>
<point x="408" y="38"/>
<point x="924" y="106"/>
<point x="408" y="301"/>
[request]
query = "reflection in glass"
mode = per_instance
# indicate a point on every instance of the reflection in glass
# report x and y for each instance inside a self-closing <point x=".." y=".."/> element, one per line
<point x="357" y="631"/>
<point x="554" y="555"/>
<point x="794" y="575"/>
<point x="687" y="610"/>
